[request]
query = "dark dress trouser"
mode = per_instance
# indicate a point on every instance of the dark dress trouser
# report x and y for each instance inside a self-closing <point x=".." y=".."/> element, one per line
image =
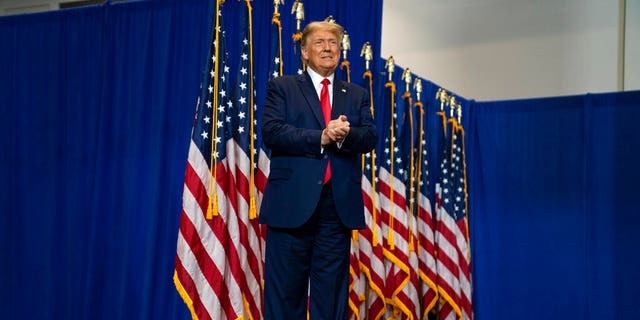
<point x="314" y="254"/>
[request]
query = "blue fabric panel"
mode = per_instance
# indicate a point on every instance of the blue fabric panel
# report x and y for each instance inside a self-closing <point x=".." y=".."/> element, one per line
<point x="98" y="106"/>
<point x="527" y="209"/>
<point x="552" y="211"/>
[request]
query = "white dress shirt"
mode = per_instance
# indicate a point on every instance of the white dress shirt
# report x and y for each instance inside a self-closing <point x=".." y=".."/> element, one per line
<point x="316" y="79"/>
<point x="317" y="83"/>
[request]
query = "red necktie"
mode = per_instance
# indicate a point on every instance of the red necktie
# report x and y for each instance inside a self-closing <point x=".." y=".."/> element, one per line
<point x="326" y="111"/>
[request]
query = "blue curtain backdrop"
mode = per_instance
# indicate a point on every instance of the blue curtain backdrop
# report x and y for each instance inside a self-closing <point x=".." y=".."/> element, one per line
<point x="554" y="214"/>
<point x="98" y="105"/>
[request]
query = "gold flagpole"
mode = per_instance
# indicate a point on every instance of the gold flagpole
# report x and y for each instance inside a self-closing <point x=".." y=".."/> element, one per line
<point x="345" y="45"/>
<point x="298" y="9"/>
<point x="276" y="19"/>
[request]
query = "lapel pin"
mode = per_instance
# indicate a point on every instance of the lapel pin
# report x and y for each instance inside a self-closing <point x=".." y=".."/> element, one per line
<point x="344" y="90"/>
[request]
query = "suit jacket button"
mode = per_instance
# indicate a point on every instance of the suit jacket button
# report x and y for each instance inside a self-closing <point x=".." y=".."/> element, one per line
<point x="320" y="181"/>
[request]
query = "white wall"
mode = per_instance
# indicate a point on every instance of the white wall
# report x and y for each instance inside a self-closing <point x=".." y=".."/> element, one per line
<point x="504" y="49"/>
<point x="632" y="45"/>
<point x="8" y="7"/>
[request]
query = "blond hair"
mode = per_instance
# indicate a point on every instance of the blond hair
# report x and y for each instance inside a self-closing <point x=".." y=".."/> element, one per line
<point x="314" y="26"/>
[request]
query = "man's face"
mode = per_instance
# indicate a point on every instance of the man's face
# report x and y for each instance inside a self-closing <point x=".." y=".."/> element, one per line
<point x="322" y="52"/>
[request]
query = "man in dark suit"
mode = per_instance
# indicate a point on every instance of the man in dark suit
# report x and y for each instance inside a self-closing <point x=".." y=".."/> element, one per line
<point x="316" y="126"/>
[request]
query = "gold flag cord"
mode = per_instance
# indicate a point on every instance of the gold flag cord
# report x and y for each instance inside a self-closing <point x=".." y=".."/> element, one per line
<point x="276" y="19"/>
<point x="212" y="209"/>
<point x="252" y="190"/>
<point x="297" y="36"/>
<point x="464" y="173"/>
<point x="407" y="95"/>
<point x="390" y="236"/>
<point x="374" y="192"/>
<point x="343" y="65"/>
<point x="418" y="106"/>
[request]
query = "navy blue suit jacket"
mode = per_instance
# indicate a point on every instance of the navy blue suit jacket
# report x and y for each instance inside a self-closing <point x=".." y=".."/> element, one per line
<point x="292" y="124"/>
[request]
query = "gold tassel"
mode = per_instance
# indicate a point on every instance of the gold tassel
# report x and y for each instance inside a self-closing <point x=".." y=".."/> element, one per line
<point x="411" y="244"/>
<point x="375" y="236"/>
<point x="215" y="204"/>
<point x="210" y="210"/>
<point x="247" y="307"/>
<point x="252" y="209"/>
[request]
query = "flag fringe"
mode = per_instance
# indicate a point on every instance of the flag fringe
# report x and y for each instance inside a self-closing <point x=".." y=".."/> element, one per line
<point x="184" y="295"/>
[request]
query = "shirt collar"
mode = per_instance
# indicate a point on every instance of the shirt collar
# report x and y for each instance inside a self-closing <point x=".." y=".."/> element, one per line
<point x="317" y="78"/>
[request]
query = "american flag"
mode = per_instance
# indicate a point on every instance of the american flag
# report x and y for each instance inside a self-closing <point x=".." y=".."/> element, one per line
<point x="370" y="239"/>
<point x="357" y="281"/>
<point x="459" y="181"/>
<point x="394" y="213"/>
<point x="264" y="154"/>
<point x="451" y="237"/>
<point x="425" y="245"/>
<point x="275" y="47"/>
<point x="243" y="145"/>
<point x="408" y="136"/>
<point x="214" y="273"/>
<point x="275" y="70"/>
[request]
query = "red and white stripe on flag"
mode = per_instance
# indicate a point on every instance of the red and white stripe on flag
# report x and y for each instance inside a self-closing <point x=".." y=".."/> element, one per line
<point x="219" y="253"/>
<point x="451" y="236"/>
<point x="371" y="257"/>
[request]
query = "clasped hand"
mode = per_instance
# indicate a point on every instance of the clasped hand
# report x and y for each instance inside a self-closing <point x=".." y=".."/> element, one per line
<point x="335" y="131"/>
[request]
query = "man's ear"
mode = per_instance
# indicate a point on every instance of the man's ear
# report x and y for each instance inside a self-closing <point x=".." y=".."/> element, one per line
<point x="305" y="53"/>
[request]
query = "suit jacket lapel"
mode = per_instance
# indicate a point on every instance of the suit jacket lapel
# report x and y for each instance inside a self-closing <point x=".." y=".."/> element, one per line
<point x="339" y="98"/>
<point x="309" y="93"/>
